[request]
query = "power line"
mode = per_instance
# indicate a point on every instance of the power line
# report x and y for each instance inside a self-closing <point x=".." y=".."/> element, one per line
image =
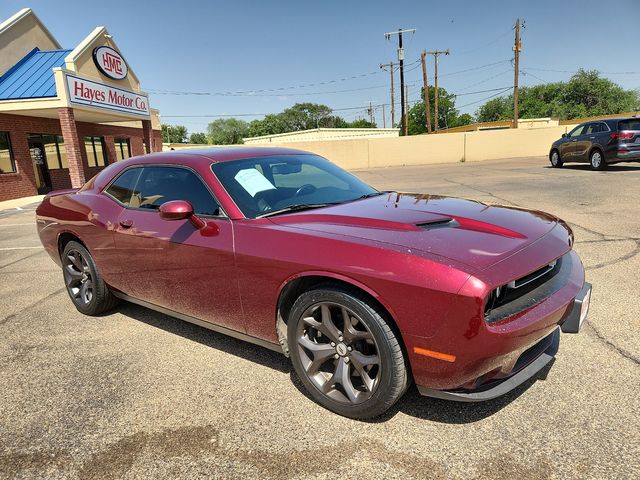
<point x="475" y="49"/>
<point x="333" y="109"/>
<point x="169" y="92"/>
<point x="484" y="99"/>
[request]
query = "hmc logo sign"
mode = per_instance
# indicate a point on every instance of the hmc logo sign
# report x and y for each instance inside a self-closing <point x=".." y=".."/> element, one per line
<point x="110" y="62"/>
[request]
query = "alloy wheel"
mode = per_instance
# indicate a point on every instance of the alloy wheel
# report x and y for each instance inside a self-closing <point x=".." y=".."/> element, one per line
<point x="78" y="277"/>
<point x="596" y="159"/>
<point x="338" y="353"/>
<point x="554" y="158"/>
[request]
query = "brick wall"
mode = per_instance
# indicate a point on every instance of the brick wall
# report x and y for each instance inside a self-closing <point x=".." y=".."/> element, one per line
<point x="23" y="182"/>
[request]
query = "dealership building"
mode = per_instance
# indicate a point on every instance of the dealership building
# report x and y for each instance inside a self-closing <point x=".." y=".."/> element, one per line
<point x="66" y="113"/>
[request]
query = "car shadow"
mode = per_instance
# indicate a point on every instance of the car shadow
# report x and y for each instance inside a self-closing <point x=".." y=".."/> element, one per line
<point x="412" y="403"/>
<point x="254" y="353"/>
<point x="586" y="167"/>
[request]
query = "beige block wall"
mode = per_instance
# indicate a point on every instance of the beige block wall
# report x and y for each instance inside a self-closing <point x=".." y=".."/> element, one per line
<point x="429" y="149"/>
<point x="495" y="144"/>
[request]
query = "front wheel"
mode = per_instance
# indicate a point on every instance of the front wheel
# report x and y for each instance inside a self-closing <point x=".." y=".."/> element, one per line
<point x="345" y="352"/>
<point x="85" y="286"/>
<point x="597" y="160"/>
<point x="554" y="158"/>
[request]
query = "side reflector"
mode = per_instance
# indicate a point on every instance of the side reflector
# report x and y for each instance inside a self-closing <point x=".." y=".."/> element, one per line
<point x="430" y="353"/>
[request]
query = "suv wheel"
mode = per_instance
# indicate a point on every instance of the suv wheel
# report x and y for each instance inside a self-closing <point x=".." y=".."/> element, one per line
<point x="554" y="158"/>
<point x="344" y="351"/>
<point x="597" y="160"/>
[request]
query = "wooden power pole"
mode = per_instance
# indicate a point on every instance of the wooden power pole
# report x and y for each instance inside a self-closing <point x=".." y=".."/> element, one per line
<point x="393" y="108"/>
<point x="425" y="90"/>
<point x="384" y="118"/>
<point x="516" y="54"/>
<point x="401" y="63"/>
<point x="435" y="54"/>
<point x="406" y="110"/>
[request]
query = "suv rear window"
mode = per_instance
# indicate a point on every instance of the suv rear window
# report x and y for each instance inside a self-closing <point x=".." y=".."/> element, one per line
<point x="632" y="124"/>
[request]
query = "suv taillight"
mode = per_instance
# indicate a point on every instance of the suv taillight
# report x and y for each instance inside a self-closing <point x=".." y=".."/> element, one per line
<point x="622" y="136"/>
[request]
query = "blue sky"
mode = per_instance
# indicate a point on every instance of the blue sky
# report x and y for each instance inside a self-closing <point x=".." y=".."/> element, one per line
<point x="231" y="46"/>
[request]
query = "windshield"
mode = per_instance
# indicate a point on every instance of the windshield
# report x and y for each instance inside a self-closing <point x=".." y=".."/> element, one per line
<point x="269" y="184"/>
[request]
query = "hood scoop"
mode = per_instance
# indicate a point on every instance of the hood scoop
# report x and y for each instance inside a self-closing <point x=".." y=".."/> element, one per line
<point x="442" y="223"/>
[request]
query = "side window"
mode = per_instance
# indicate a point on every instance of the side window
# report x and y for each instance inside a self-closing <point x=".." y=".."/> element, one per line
<point x="158" y="185"/>
<point x="592" y="128"/>
<point x="123" y="188"/>
<point x="577" y="131"/>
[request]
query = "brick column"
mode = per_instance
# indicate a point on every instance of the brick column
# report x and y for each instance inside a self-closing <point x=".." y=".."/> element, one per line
<point x="147" y="134"/>
<point x="109" y="140"/>
<point x="73" y="146"/>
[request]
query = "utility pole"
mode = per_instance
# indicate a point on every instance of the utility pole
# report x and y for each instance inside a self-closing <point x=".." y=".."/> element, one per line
<point x="517" y="46"/>
<point x="384" y="118"/>
<point x="425" y="89"/>
<point x="393" y="109"/>
<point x="370" y="111"/>
<point x="401" y="61"/>
<point x="435" y="54"/>
<point x="406" y="109"/>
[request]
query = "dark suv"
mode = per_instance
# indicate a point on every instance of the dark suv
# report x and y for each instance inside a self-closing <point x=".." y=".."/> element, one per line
<point x="599" y="143"/>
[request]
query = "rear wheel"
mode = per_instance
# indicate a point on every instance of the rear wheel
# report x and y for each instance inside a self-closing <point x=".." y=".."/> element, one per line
<point x="597" y="160"/>
<point x="554" y="158"/>
<point x="85" y="286"/>
<point x="345" y="352"/>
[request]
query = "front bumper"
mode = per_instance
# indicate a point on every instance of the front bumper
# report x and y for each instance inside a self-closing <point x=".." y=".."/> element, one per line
<point x="528" y="364"/>
<point x="497" y="389"/>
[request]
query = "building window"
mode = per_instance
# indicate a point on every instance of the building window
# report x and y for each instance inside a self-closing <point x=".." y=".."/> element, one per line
<point x="123" y="148"/>
<point x="96" y="151"/>
<point x="7" y="164"/>
<point x="54" y="149"/>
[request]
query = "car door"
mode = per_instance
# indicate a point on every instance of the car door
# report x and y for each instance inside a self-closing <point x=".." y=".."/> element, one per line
<point x="172" y="263"/>
<point x="568" y="148"/>
<point x="585" y="141"/>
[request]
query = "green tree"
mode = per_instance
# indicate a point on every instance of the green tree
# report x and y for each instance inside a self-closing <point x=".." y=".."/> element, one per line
<point x="198" y="137"/>
<point x="361" y="123"/>
<point x="586" y="94"/>
<point x="227" y="131"/>
<point x="448" y="117"/>
<point x="174" y="133"/>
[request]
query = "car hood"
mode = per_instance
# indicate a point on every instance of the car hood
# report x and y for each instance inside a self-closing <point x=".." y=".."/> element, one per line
<point x="469" y="232"/>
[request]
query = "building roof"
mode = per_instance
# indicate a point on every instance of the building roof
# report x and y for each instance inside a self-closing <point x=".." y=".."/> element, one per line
<point x="32" y="77"/>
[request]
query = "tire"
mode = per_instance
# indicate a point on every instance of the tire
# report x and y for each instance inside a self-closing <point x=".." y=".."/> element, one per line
<point x="554" y="158"/>
<point x="83" y="281"/>
<point x="596" y="159"/>
<point x="367" y="356"/>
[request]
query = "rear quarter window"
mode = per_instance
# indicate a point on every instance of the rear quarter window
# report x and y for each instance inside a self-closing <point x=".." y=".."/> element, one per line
<point x="123" y="187"/>
<point x="633" y="124"/>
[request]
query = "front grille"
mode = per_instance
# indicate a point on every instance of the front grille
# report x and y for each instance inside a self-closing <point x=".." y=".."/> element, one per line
<point x="528" y="290"/>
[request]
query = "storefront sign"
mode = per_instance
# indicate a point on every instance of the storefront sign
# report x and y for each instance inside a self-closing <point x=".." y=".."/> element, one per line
<point x="110" y="62"/>
<point x="98" y="95"/>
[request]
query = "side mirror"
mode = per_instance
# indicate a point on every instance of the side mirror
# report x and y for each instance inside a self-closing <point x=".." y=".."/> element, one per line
<point x="181" y="210"/>
<point x="565" y="135"/>
<point x="176" y="210"/>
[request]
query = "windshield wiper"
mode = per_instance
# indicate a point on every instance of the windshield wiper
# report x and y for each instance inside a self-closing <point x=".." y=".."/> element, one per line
<point x="295" y="208"/>
<point x="372" y="194"/>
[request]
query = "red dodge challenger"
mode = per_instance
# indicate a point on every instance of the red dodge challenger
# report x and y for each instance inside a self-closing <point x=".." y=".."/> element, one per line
<point x="366" y="291"/>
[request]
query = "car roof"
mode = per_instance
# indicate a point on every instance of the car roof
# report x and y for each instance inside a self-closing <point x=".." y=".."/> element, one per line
<point x="214" y="154"/>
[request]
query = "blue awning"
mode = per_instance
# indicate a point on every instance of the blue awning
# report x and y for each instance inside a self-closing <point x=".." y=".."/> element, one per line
<point x="32" y="77"/>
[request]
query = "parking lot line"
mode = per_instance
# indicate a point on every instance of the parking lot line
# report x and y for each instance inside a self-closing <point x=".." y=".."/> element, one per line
<point x="20" y="248"/>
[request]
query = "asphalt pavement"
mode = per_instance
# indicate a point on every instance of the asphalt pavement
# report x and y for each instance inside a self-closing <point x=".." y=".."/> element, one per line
<point x="138" y="394"/>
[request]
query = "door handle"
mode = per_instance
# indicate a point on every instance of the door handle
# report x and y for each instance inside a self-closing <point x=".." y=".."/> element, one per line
<point x="574" y="140"/>
<point x="126" y="223"/>
<point x="592" y="137"/>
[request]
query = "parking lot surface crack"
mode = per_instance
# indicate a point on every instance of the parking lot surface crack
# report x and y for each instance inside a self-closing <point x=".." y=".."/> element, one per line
<point x="30" y="306"/>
